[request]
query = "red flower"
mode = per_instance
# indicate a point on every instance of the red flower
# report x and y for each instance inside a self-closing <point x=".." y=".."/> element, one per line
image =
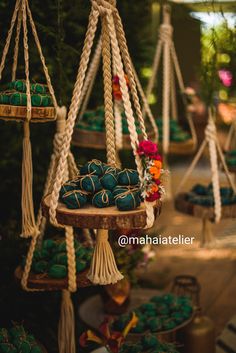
<point x="148" y="148"/>
<point x="153" y="197"/>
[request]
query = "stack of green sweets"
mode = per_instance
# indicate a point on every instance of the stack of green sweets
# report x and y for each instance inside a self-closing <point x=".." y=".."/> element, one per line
<point x="177" y="134"/>
<point x="203" y="195"/>
<point x="231" y="158"/>
<point x="94" y="120"/>
<point x="51" y="259"/>
<point x="17" y="340"/>
<point x="102" y="186"/>
<point x="15" y="94"/>
<point x="149" y="344"/>
<point x="161" y="313"/>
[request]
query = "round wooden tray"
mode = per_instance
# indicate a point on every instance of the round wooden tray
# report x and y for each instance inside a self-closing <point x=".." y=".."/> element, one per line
<point x="184" y="206"/>
<point x="100" y="218"/>
<point x="181" y="148"/>
<point x="97" y="139"/>
<point x="92" y="314"/>
<point x="18" y="113"/>
<point x="42" y="281"/>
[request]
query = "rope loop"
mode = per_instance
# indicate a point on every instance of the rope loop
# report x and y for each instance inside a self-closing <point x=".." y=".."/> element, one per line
<point x="210" y="131"/>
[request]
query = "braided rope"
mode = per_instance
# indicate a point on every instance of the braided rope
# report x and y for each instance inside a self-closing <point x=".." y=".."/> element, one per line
<point x="108" y="96"/>
<point x="9" y="35"/>
<point x="118" y="126"/>
<point x="26" y="56"/>
<point x="90" y="78"/>
<point x="71" y="259"/>
<point x="173" y="98"/>
<point x="45" y="69"/>
<point x="16" y="49"/>
<point x="93" y="20"/>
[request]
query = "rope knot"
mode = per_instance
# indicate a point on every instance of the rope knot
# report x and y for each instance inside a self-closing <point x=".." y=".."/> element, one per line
<point x="166" y="31"/>
<point x="104" y="6"/>
<point x="210" y="131"/>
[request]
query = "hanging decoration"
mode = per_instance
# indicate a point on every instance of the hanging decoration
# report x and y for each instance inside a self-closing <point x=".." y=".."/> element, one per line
<point x="174" y="139"/>
<point x="26" y="101"/>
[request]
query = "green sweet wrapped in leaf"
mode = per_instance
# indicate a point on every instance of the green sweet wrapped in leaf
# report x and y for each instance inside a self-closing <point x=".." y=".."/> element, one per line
<point x="163" y="309"/>
<point x="200" y="189"/>
<point x="149" y="341"/>
<point x="17" y="331"/>
<point x="8" y="348"/>
<point x="169" y="324"/>
<point x="107" y="168"/>
<point x="60" y="259"/>
<point x="74" y="199"/>
<point x="120" y="189"/>
<point x="103" y="198"/>
<point x="49" y="244"/>
<point x="109" y="181"/>
<point x="4" y="338"/>
<point x="19" y="99"/>
<point x="89" y="183"/>
<point x="57" y="271"/>
<point x="39" y="88"/>
<point x="155" y="324"/>
<point x="39" y="100"/>
<point x="68" y="186"/>
<point x="128" y="177"/>
<point x="177" y="317"/>
<point x="127" y="201"/>
<point x="94" y="167"/>
<point x="40" y="266"/>
<point x="18" y="85"/>
<point x="5" y="97"/>
<point x="22" y="345"/>
<point x="80" y="265"/>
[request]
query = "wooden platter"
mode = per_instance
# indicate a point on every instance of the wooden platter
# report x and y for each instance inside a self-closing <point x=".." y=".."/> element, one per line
<point x="184" y="206"/>
<point x="43" y="282"/>
<point x="100" y="218"/>
<point x="97" y="139"/>
<point x="18" y="113"/>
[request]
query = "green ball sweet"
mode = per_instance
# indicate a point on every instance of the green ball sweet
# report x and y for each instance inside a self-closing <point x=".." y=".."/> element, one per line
<point x="18" y="85"/>
<point x="19" y="99"/>
<point x="80" y="265"/>
<point x="7" y="348"/>
<point x="40" y="266"/>
<point x="169" y="324"/>
<point x="109" y="181"/>
<point x="49" y="244"/>
<point x="127" y="201"/>
<point x="155" y="324"/>
<point x="149" y="341"/>
<point x="60" y="259"/>
<point x="120" y="189"/>
<point x="80" y="251"/>
<point x="103" y="198"/>
<point x="163" y="309"/>
<point x="68" y="186"/>
<point x="128" y="177"/>
<point x="94" y="167"/>
<point x="178" y="317"/>
<point x="39" y="88"/>
<point x="74" y="199"/>
<point x="57" y="271"/>
<point x="90" y="183"/>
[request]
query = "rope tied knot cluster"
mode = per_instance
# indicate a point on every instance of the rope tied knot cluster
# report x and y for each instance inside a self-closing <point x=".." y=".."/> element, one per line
<point x="104" y="6"/>
<point x="166" y="32"/>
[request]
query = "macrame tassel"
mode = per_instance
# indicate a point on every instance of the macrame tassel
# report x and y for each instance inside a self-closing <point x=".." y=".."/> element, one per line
<point x="66" y="328"/>
<point x="103" y="268"/>
<point x="28" y="220"/>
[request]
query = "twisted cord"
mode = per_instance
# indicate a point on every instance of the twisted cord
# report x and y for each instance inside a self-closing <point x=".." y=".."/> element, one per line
<point x="71" y="260"/>
<point x="9" y="36"/>
<point x="108" y="97"/>
<point x="93" y="19"/>
<point x="16" y="49"/>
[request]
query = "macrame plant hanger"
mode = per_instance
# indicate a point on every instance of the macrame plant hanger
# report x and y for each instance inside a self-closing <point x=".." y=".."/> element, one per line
<point x="212" y="143"/>
<point x="87" y="90"/>
<point x="103" y="268"/>
<point x="21" y="14"/>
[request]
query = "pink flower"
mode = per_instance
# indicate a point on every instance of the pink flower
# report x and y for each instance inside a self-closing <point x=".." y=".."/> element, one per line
<point x="148" y="148"/>
<point x="153" y="197"/>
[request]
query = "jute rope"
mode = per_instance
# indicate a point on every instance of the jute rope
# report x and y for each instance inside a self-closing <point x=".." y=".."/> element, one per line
<point x="214" y="146"/>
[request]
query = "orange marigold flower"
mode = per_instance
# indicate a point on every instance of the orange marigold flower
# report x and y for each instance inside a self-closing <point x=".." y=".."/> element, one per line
<point x="158" y="164"/>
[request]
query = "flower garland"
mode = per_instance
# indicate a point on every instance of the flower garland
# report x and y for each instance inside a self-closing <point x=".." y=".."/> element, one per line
<point x="152" y="188"/>
<point x="116" y="87"/>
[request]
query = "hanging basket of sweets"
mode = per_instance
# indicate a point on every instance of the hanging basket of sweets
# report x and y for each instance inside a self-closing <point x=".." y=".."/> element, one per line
<point x="115" y="55"/>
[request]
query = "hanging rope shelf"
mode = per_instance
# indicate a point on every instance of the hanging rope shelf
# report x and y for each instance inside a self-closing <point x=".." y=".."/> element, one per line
<point x="174" y="139"/>
<point x="116" y="57"/>
<point x="212" y="202"/>
<point x="89" y="130"/>
<point x="26" y="102"/>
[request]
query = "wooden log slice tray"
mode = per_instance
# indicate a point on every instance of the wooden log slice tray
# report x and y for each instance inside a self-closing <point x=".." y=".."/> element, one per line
<point x="97" y="139"/>
<point x="44" y="282"/>
<point x="184" y="206"/>
<point x="100" y="218"/>
<point x="18" y="113"/>
<point x="187" y="147"/>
